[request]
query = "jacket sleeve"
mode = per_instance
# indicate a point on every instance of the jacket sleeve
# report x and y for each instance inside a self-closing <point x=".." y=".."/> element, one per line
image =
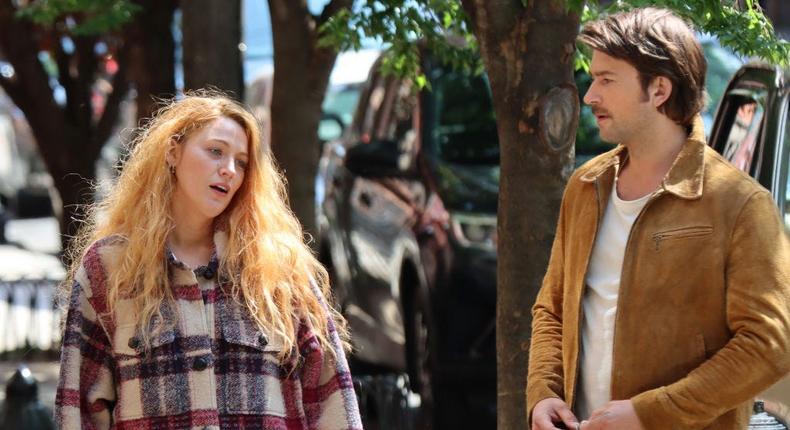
<point x="86" y="390"/>
<point x="758" y="316"/>
<point x="327" y="389"/>
<point x="545" y="374"/>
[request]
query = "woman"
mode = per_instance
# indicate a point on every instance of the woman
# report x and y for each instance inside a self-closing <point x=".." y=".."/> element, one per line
<point x="194" y="302"/>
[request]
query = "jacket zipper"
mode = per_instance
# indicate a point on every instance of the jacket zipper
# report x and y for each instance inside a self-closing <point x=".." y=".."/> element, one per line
<point x="681" y="233"/>
<point x="620" y="288"/>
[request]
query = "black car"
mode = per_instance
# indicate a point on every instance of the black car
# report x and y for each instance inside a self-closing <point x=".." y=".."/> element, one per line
<point x="407" y="228"/>
<point x="752" y="130"/>
<point x="408" y="231"/>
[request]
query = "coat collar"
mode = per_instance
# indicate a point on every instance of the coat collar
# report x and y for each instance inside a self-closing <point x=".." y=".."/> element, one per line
<point x="220" y="241"/>
<point x="684" y="178"/>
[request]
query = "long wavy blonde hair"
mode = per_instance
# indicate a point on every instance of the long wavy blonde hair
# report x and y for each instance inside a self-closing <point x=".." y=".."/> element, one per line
<point x="266" y="260"/>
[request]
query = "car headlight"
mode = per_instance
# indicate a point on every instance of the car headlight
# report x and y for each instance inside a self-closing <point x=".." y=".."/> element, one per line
<point x="474" y="230"/>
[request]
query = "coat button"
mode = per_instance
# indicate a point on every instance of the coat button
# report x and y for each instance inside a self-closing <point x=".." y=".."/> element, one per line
<point x="134" y="343"/>
<point x="199" y="364"/>
<point x="208" y="273"/>
<point x="263" y="340"/>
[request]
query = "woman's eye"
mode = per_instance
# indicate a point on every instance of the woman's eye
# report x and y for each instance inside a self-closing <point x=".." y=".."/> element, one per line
<point x="216" y="151"/>
<point x="241" y="164"/>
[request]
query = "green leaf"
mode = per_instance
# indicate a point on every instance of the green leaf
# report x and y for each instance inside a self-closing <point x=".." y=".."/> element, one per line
<point x="421" y="81"/>
<point x="90" y="17"/>
<point x="748" y="32"/>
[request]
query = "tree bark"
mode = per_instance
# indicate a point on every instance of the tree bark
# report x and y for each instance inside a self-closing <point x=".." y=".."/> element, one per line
<point x="528" y="55"/>
<point x="212" y="34"/>
<point x="301" y="73"/>
<point x="152" y="55"/>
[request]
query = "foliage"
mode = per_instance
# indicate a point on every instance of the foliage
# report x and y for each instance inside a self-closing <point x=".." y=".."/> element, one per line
<point x="745" y="30"/>
<point x="400" y="24"/>
<point x="81" y="17"/>
<point x="441" y="25"/>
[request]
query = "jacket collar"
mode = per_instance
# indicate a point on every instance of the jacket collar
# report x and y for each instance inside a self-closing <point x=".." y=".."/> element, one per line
<point x="684" y="178"/>
<point x="220" y="241"/>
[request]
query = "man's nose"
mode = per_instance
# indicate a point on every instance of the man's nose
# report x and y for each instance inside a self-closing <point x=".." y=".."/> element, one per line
<point x="591" y="97"/>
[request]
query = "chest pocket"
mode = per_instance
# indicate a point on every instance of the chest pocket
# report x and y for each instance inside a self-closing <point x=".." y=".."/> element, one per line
<point x="664" y="237"/>
<point x="249" y="374"/>
<point x="128" y="342"/>
<point x="142" y="373"/>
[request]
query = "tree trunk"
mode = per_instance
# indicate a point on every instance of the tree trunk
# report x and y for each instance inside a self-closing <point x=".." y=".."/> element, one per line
<point x="212" y="34"/>
<point x="152" y="55"/>
<point x="69" y="138"/>
<point x="301" y="73"/>
<point x="528" y="55"/>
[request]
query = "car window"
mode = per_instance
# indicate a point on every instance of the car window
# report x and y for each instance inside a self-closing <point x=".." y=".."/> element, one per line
<point x="722" y="64"/>
<point x="744" y="113"/>
<point x="396" y="120"/>
<point x="341" y="100"/>
<point x="374" y="106"/>
<point x="464" y="129"/>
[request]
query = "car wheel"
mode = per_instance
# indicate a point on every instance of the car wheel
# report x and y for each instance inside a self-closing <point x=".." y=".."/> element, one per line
<point x="420" y="355"/>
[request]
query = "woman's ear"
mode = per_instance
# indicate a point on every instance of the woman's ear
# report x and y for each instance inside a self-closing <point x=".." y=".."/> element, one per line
<point x="660" y="90"/>
<point x="173" y="154"/>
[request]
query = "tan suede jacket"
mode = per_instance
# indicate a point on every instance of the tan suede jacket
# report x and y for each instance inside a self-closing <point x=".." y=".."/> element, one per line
<point x="703" y="315"/>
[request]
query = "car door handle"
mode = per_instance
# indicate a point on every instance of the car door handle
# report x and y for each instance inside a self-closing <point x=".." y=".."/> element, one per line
<point x="365" y="199"/>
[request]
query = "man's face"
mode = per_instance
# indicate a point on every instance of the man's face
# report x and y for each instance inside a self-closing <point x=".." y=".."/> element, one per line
<point x="620" y="105"/>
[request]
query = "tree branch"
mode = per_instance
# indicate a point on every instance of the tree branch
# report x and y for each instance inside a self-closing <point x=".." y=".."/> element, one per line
<point x="331" y="9"/>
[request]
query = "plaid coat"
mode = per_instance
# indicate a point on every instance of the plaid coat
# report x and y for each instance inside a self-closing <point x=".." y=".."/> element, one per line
<point x="211" y="368"/>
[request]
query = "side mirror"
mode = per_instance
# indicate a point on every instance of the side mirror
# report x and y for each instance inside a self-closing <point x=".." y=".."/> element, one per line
<point x="330" y="128"/>
<point x="378" y="159"/>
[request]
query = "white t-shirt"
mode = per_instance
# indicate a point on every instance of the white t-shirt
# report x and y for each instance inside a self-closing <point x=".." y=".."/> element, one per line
<point x="600" y="302"/>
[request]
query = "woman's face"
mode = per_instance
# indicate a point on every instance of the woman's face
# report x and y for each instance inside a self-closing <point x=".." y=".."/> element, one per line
<point x="209" y="168"/>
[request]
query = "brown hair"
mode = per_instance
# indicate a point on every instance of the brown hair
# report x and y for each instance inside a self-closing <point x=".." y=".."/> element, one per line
<point x="657" y="43"/>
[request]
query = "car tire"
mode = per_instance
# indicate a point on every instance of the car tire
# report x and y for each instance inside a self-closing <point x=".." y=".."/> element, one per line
<point x="421" y="356"/>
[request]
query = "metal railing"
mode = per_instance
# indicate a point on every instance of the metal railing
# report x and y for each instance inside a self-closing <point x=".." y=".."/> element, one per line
<point x="28" y="316"/>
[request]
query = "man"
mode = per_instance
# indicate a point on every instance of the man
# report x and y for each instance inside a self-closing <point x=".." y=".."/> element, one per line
<point x="666" y="303"/>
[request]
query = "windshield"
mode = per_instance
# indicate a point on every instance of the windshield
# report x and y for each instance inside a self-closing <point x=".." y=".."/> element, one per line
<point x="341" y="100"/>
<point x="463" y="126"/>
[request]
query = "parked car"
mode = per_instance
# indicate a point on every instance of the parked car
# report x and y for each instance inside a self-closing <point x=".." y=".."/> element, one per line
<point x="25" y="184"/>
<point x="752" y="130"/>
<point x="408" y="232"/>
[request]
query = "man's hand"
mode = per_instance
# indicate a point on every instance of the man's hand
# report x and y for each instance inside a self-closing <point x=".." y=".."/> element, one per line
<point x="548" y="414"/>
<point x="618" y="415"/>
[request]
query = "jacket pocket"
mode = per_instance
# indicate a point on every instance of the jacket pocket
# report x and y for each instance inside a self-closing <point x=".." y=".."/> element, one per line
<point x="681" y="233"/>
<point x="139" y="369"/>
<point x="249" y="372"/>
<point x="245" y="332"/>
<point x="128" y="342"/>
